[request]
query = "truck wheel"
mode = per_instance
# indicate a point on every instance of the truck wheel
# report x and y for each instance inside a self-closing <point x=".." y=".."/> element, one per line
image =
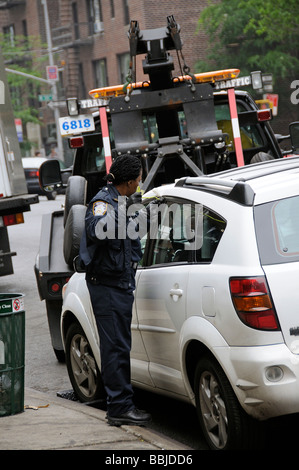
<point x="51" y="196"/>
<point x="83" y="371"/>
<point x="75" y="194"/>
<point x="73" y="232"/>
<point x="224" y="423"/>
<point x="53" y="308"/>
<point x="261" y="157"/>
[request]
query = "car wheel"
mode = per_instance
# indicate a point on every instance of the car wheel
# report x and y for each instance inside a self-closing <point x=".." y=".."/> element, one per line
<point x="83" y="372"/>
<point x="224" y="423"/>
<point x="75" y="194"/>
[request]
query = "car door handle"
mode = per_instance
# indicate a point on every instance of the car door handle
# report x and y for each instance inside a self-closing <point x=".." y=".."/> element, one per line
<point x="178" y="292"/>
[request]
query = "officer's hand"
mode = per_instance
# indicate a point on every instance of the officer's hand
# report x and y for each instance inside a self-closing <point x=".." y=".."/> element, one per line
<point x="135" y="198"/>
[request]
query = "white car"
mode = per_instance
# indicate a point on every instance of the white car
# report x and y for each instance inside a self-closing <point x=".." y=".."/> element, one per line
<point x="215" y="318"/>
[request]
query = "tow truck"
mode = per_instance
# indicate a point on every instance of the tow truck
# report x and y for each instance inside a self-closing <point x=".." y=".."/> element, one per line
<point x="14" y="197"/>
<point x="191" y="124"/>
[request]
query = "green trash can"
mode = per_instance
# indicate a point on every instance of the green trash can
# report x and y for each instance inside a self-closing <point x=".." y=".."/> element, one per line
<point x="12" y="353"/>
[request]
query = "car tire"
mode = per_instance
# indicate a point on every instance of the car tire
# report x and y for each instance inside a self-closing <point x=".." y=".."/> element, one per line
<point x="224" y="423"/>
<point x="75" y="194"/>
<point x="73" y="232"/>
<point x="83" y="371"/>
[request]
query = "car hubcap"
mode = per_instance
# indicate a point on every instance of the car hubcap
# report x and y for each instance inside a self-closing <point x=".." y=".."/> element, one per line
<point x="83" y="366"/>
<point x="213" y="410"/>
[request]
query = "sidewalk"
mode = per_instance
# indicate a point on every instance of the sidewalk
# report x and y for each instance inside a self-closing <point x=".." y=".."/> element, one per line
<point x="54" y="423"/>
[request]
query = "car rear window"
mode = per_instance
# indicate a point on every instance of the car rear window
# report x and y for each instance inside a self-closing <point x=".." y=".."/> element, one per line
<point x="277" y="230"/>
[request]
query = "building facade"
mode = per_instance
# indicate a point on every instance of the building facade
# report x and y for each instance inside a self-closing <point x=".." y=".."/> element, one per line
<point x="89" y="44"/>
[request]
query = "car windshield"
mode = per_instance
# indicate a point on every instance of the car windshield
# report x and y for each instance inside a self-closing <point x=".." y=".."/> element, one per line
<point x="277" y="228"/>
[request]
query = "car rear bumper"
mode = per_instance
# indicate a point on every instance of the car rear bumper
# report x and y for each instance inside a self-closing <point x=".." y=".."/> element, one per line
<point x="265" y="379"/>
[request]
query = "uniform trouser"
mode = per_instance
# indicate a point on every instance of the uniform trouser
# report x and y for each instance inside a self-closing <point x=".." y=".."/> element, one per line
<point x="113" y="312"/>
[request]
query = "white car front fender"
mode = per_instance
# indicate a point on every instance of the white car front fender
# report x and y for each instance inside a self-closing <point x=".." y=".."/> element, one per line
<point x="76" y="300"/>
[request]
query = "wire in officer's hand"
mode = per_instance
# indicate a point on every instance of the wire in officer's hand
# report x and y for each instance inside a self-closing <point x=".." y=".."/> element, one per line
<point x="135" y="198"/>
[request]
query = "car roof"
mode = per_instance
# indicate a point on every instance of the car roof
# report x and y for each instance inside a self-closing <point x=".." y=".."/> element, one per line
<point x="252" y="184"/>
<point x="33" y="162"/>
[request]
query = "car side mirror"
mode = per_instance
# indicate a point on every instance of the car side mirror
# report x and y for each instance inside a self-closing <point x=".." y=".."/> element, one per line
<point x="294" y="134"/>
<point x="50" y="175"/>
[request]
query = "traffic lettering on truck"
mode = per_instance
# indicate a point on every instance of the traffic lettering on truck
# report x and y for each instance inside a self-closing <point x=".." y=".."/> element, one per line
<point x="179" y="126"/>
<point x="14" y="197"/>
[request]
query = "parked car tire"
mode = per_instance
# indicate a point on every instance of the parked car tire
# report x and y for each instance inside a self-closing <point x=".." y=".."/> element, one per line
<point x="72" y="233"/>
<point x="75" y="194"/>
<point x="224" y="423"/>
<point x="83" y="372"/>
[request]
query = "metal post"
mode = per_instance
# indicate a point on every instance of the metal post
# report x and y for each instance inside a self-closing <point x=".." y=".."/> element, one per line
<point x="105" y="137"/>
<point x="54" y="88"/>
<point x="235" y="126"/>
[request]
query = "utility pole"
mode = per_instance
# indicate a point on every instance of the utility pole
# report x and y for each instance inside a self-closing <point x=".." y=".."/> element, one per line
<point x="54" y="87"/>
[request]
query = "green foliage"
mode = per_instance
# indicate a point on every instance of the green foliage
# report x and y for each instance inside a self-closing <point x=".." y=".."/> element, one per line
<point x="24" y="54"/>
<point x="252" y="35"/>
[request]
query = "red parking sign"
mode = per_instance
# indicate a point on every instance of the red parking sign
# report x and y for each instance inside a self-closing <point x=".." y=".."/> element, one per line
<point x="52" y="72"/>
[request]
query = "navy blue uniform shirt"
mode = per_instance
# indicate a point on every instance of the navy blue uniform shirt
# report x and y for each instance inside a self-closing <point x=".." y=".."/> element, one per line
<point x="106" y="249"/>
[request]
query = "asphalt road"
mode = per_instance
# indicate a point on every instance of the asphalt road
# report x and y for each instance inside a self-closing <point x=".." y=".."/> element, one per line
<point x="43" y="372"/>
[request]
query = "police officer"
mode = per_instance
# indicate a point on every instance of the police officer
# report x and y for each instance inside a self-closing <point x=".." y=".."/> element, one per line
<point x="111" y="259"/>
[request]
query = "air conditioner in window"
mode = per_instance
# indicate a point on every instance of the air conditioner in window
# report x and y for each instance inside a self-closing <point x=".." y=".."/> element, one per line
<point x="98" y="26"/>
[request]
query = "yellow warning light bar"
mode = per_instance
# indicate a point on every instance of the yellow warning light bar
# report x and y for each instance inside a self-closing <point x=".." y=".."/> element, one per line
<point x="206" y="77"/>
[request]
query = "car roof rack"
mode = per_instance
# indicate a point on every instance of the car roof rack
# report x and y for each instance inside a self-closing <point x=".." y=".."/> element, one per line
<point x="234" y="190"/>
<point x="234" y="184"/>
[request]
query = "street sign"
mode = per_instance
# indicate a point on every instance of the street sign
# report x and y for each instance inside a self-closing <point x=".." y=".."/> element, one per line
<point x="273" y="97"/>
<point x="19" y="129"/>
<point x="234" y="82"/>
<point x="45" y="98"/>
<point x="93" y="103"/>
<point x="52" y="73"/>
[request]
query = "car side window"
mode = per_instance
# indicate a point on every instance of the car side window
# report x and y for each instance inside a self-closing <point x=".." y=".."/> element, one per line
<point x="186" y="232"/>
<point x="213" y="226"/>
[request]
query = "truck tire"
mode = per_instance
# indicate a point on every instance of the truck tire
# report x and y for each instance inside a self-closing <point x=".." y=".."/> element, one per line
<point x="75" y="194"/>
<point x="72" y="233"/>
<point x="261" y="157"/>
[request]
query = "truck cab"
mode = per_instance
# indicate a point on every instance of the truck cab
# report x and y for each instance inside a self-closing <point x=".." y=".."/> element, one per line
<point x="14" y="197"/>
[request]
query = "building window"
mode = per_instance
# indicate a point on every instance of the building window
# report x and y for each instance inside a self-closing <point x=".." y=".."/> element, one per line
<point x="95" y="17"/>
<point x="123" y="66"/>
<point x="100" y="73"/>
<point x="9" y="34"/>
<point x="112" y="9"/>
<point x="75" y="20"/>
<point x="82" y="87"/>
<point x="126" y="12"/>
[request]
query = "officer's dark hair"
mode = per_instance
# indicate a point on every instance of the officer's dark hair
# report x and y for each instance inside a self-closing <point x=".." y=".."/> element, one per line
<point x="123" y="169"/>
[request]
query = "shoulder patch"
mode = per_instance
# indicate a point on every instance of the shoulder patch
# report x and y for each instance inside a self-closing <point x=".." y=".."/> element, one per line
<point x="99" y="208"/>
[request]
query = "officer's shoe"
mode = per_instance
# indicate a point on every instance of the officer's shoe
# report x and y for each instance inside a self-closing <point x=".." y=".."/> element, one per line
<point x="134" y="416"/>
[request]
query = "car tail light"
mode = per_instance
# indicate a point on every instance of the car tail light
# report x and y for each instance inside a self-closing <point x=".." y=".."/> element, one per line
<point x="252" y="301"/>
<point x="33" y="173"/>
<point x="13" y="219"/>
<point x="264" y="114"/>
<point x="55" y="286"/>
<point x="76" y="142"/>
